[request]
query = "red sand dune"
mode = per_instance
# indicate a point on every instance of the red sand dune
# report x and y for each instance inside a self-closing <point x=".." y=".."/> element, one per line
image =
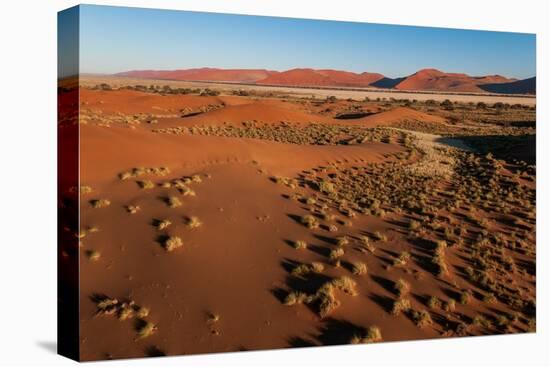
<point x="135" y="148"/>
<point x="230" y="265"/>
<point x="260" y="111"/>
<point x="311" y="77"/>
<point x="129" y="101"/>
<point x="493" y="79"/>
<point x="432" y="79"/>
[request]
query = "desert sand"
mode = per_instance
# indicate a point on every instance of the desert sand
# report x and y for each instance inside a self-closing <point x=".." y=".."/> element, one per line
<point x="226" y="222"/>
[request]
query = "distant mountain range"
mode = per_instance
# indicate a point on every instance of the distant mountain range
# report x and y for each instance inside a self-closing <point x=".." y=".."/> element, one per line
<point x="422" y="80"/>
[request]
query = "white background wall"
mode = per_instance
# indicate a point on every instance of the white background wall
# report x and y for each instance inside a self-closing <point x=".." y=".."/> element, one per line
<point x="28" y="181"/>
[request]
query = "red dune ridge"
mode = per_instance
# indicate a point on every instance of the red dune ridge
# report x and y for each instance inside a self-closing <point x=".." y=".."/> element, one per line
<point x="433" y="79"/>
<point x="425" y="79"/>
<point x="324" y="77"/>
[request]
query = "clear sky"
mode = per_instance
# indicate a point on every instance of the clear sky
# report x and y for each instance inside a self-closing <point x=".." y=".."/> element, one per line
<point x="115" y="39"/>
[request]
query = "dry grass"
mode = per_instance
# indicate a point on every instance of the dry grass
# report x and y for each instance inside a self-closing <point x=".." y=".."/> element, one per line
<point x="310" y="221"/>
<point x="342" y="241"/>
<point x="302" y="269"/>
<point x="173" y="202"/>
<point x="372" y="335"/>
<point x="402" y="287"/>
<point x="172" y="243"/>
<point x="85" y="189"/>
<point x="162" y="224"/>
<point x="294" y="298"/>
<point x="299" y="245"/>
<point x="359" y="268"/>
<point x="145" y="329"/>
<point x="401" y="305"/>
<point x="186" y="191"/>
<point x="140" y="171"/>
<point x="434" y="302"/>
<point x="93" y="255"/>
<point x="402" y="259"/>
<point x="132" y="209"/>
<point x="336" y="253"/>
<point x="146" y="184"/>
<point x="422" y="318"/>
<point x="380" y="236"/>
<point x="100" y="203"/>
<point x="193" y="222"/>
<point x="325" y="296"/>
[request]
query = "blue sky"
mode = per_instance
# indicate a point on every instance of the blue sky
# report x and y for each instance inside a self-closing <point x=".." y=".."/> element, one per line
<point x="115" y="39"/>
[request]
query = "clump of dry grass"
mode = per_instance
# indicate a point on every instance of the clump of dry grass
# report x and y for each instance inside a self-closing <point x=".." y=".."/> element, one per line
<point x="336" y="253"/>
<point x="162" y="224"/>
<point x="299" y="245"/>
<point x="366" y="245"/>
<point x="146" y="184"/>
<point x="173" y="242"/>
<point x="213" y="317"/>
<point x="372" y="335"/>
<point x="303" y="269"/>
<point x="173" y="202"/>
<point x="93" y="255"/>
<point x="310" y="221"/>
<point x="141" y="311"/>
<point x="294" y="298"/>
<point x="402" y="259"/>
<point x="106" y="305"/>
<point x="327" y="298"/>
<point x="140" y="171"/>
<point x="422" y="318"/>
<point x="145" y="329"/>
<point x="414" y="225"/>
<point x="132" y="209"/>
<point x="439" y="258"/>
<point x="365" y="240"/>
<point x="193" y="222"/>
<point x="380" y="236"/>
<point x="186" y="191"/>
<point x="449" y="306"/>
<point x="482" y="321"/>
<point x="434" y="302"/>
<point x="359" y="268"/>
<point x="311" y="201"/>
<point x="401" y="305"/>
<point x="465" y="297"/>
<point x="345" y="284"/>
<point x="288" y="182"/>
<point x="85" y="189"/>
<point x="325" y="295"/>
<point x="342" y="241"/>
<point x="124" y="311"/>
<point x="326" y="186"/>
<point x="100" y="203"/>
<point x="402" y="287"/>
